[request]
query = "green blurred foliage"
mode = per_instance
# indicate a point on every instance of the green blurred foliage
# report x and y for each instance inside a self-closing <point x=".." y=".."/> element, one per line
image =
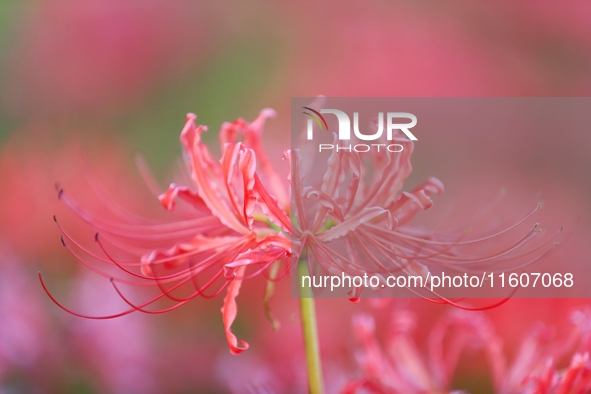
<point x="227" y="87"/>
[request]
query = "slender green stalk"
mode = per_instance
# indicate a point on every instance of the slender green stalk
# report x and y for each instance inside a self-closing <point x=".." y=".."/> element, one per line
<point x="310" y="329"/>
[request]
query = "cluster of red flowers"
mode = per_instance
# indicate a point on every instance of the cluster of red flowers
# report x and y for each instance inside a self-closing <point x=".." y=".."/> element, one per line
<point x="400" y="366"/>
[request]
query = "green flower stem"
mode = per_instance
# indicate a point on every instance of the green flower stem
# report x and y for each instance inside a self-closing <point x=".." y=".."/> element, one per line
<point x="310" y="329"/>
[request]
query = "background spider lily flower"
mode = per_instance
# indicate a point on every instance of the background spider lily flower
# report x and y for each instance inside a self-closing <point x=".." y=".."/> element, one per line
<point x="405" y="363"/>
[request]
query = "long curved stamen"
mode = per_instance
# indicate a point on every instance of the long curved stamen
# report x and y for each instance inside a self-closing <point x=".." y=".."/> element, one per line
<point x="468" y="242"/>
<point x="176" y="275"/>
<point x="146" y="232"/>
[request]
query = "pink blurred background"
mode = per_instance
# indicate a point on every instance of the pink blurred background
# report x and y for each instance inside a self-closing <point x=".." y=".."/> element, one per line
<point x="98" y="82"/>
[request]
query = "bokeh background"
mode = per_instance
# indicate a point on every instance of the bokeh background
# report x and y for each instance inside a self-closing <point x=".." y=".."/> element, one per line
<point x="87" y="85"/>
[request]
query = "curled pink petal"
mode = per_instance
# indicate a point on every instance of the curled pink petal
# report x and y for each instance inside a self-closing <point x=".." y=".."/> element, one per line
<point x="229" y="312"/>
<point x="167" y="199"/>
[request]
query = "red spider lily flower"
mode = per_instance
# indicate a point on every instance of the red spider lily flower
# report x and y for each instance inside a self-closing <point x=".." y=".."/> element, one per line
<point x="236" y="224"/>
<point x="403" y="368"/>
<point x="400" y="365"/>
<point x="233" y="230"/>
<point x="355" y="219"/>
<point x="535" y="369"/>
<point x="576" y="378"/>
